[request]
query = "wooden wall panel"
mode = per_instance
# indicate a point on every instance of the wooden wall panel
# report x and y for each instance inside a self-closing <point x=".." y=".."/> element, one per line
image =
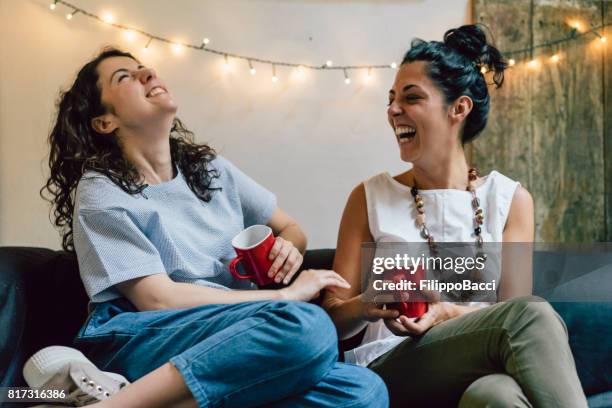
<point x="554" y="140"/>
<point x="568" y="126"/>
<point x="505" y="144"/>
<point x="607" y="64"/>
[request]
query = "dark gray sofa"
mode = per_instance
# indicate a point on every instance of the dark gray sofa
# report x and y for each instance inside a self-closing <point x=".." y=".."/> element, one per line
<point x="42" y="303"/>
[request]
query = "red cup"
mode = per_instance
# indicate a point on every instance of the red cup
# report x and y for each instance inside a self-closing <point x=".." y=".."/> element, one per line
<point x="415" y="308"/>
<point x="253" y="246"/>
<point x="409" y="309"/>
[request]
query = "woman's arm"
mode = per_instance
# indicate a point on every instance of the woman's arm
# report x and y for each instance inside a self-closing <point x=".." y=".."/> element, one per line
<point x="287" y="228"/>
<point x="288" y="248"/>
<point x="158" y="291"/>
<point x="517" y="254"/>
<point x="345" y="306"/>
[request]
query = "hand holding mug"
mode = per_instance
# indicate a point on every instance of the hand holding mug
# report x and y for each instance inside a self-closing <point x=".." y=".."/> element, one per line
<point x="409" y="306"/>
<point x="286" y="258"/>
<point x="253" y="246"/>
<point x="437" y="313"/>
<point x="373" y="311"/>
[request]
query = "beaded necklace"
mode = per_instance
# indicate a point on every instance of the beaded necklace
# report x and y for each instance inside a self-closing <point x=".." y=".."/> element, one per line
<point x="478" y="214"/>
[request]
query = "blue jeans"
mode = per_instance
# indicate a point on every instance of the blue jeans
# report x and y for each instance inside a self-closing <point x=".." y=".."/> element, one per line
<point x="277" y="354"/>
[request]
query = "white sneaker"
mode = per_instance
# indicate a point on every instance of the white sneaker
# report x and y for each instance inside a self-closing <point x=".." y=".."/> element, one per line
<point x="67" y="369"/>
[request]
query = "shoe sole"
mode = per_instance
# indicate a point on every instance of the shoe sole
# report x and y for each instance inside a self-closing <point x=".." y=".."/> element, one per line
<point x="46" y="362"/>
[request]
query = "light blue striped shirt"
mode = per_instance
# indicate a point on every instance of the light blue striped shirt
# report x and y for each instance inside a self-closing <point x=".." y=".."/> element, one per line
<point x="168" y="229"/>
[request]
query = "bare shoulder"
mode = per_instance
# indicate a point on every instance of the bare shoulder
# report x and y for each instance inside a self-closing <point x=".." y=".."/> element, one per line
<point x="356" y="202"/>
<point x="354" y="221"/>
<point x="521" y="201"/>
<point x="520" y="224"/>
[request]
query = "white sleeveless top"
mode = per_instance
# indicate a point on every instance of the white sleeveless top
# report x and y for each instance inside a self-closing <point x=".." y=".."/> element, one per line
<point x="449" y="217"/>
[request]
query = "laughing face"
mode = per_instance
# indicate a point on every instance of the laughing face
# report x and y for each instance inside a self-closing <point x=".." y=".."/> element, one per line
<point x="418" y="115"/>
<point x="133" y="94"/>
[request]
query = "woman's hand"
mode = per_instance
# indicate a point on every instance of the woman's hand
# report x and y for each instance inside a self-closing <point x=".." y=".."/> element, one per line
<point x="373" y="312"/>
<point x="287" y="260"/>
<point x="437" y="312"/>
<point x="310" y="282"/>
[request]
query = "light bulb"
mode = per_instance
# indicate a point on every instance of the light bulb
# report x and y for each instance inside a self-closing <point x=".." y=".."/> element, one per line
<point x="108" y="18"/>
<point x="393" y="65"/>
<point x="602" y="39"/>
<point x="274" y="78"/>
<point x="511" y="62"/>
<point x="329" y="63"/>
<point x="555" y="58"/>
<point x="52" y="6"/>
<point x="483" y="70"/>
<point x="298" y="73"/>
<point x="177" y="48"/>
<point x="205" y="41"/>
<point x="69" y="16"/>
<point x="129" y="35"/>
<point x="253" y="71"/>
<point x="347" y="81"/>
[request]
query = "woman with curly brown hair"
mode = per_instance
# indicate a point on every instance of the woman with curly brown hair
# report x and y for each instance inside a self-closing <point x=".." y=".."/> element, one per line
<point x="151" y="216"/>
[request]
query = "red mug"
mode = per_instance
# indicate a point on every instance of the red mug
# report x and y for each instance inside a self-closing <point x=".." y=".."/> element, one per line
<point x="253" y="246"/>
<point x="415" y="308"/>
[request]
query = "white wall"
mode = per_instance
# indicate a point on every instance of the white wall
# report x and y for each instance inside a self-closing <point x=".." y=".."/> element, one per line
<point x="310" y="142"/>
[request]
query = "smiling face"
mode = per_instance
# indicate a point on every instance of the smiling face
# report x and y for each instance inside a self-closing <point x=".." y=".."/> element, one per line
<point x="419" y="115"/>
<point x="133" y="95"/>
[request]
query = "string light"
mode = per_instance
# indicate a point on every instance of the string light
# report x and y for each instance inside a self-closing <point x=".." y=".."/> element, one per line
<point x="108" y="18"/>
<point x="252" y="70"/>
<point x="226" y="64"/>
<point x="70" y="15"/>
<point x="177" y="48"/>
<point x="129" y="35"/>
<point x="146" y="47"/>
<point x="298" y="73"/>
<point x="368" y="76"/>
<point x="532" y="64"/>
<point x="274" y="77"/>
<point x="578" y="29"/>
<point x="594" y="31"/>
<point x="555" y="58"/>
<point x="347" y="80"/>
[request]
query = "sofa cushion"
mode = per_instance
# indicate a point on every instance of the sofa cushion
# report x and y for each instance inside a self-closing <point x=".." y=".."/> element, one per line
<point x="590" y="336"/>
<point x="42" y="300"/>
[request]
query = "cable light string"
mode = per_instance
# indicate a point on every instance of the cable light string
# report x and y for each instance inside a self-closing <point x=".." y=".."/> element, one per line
<point x="177" y="47"/>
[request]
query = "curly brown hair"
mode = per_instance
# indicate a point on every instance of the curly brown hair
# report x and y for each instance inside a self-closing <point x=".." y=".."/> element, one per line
<point x="76" y="147"/>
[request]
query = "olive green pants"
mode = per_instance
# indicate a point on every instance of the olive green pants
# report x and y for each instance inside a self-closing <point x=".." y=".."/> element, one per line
<point x="512" y="354"/>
